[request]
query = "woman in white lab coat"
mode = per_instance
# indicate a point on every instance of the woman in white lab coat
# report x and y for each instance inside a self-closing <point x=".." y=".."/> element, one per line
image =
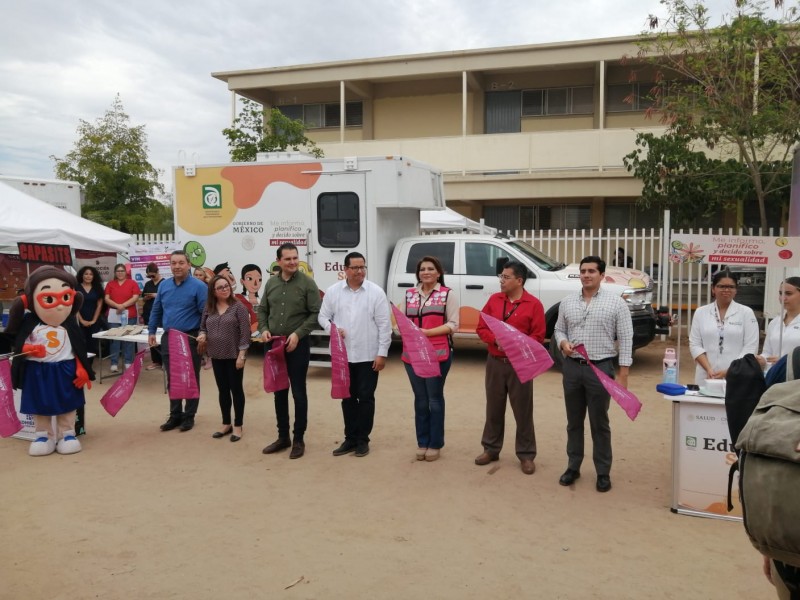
<point x="783" y="334"/>
<point x="721" y="331"/>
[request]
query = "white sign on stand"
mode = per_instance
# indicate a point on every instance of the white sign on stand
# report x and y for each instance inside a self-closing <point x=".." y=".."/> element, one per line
<point x="702" y="455"/>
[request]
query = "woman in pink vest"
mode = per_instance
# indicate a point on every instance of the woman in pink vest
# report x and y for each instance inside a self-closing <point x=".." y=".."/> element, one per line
<point x="434" y="309"/>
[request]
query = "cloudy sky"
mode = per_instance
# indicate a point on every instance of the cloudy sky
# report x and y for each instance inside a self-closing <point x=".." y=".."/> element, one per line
<point x="65" y="61"/>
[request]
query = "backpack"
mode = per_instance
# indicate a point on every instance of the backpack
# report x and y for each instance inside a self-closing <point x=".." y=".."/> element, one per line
<point x="745" y="385"/>
<point x="769" y="470"/>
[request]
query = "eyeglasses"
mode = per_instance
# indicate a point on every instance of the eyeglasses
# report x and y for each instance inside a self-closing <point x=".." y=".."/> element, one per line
<point x="725" y="287"/>
<point x="222" y="288"/>
<point x="364" y="268"/>
<point x="52" y="300"/>
<point x="505" y="277"/>
<point x="151" y="275"/>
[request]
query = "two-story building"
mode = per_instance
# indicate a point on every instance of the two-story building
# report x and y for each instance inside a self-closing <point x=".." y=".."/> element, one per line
<point x="528" y="137"/>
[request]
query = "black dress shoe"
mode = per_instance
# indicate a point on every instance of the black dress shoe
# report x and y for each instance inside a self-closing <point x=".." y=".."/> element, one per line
<point x="171" y="423"/>
<point x="569" y="477"/>
<point x="188" y="423"/>
<point x="347" y="447"/>
<point x="362" y="449"/>
<point x="603" y="483"/>
<point x="235" y="438"/>
<point x="277" y="446"/>
<point x="220" y="434"/>
<point x="298" y="449"/>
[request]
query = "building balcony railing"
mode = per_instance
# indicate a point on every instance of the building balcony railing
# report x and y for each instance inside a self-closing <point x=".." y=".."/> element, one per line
<point x="592" y="150"/>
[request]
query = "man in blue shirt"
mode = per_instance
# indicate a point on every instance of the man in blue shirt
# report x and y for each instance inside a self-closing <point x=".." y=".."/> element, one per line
<point x="179" y="306"/>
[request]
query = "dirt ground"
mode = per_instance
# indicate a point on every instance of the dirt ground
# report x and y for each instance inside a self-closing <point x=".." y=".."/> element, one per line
<point x="144" y="514"/>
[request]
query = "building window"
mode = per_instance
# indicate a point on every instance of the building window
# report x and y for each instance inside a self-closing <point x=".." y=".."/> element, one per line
<point x="317" y="116"/>
<point x="530" y="217"/>
<point x="338" y="220"/>
<point x="628" y="216"/>
<point x="628" y="97"/>
<point x="558" y="101"/>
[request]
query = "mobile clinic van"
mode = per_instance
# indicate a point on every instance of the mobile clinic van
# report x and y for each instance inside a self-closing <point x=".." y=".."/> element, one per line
<point x="240" y="213"/>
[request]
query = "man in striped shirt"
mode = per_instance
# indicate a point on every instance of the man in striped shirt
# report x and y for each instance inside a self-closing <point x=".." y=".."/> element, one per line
<point x="598" y="319"/>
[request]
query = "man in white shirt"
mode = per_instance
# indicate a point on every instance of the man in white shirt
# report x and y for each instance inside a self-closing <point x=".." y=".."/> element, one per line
<point x="360" y="310"/>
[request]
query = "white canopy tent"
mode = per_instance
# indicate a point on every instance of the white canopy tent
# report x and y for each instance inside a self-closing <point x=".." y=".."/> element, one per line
<point x="24" y="218"/>
<point x="450" y="220"/>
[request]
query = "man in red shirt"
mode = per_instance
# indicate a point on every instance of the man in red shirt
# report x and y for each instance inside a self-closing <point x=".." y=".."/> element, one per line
<point x="520" y="309"/>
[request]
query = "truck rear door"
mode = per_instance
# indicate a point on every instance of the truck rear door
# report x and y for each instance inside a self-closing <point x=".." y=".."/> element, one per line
<point x="339" y="224"/>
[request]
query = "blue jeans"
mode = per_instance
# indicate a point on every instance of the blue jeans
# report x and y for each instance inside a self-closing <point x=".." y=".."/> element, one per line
<point x="127" y="350"/>
<point x="429" y="405"/>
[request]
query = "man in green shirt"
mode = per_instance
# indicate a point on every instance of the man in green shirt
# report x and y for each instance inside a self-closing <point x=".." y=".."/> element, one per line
<point x="289" y="307"/>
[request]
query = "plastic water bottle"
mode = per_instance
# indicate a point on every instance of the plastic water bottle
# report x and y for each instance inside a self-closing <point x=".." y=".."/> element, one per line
<point x="123" y="318"/>
<point x="670" y="366"/>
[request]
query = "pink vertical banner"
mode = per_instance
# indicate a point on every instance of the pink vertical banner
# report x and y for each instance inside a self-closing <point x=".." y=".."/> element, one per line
<point x="419" y="349"/>
<point x="528" y="357"/>
<point x="276" y="375"/>
<point x="9" y="421"/>
<point x="182" y="382"/>
<point x="625" y="398"/>
<point x="340" y="369"/>
<point x="122" y="390"/>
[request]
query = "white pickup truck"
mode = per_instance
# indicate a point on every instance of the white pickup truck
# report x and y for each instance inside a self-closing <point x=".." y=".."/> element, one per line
<point x="472" y="263"/>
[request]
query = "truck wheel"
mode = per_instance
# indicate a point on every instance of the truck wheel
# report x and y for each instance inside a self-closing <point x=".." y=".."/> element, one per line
<point x="555" y="353"/>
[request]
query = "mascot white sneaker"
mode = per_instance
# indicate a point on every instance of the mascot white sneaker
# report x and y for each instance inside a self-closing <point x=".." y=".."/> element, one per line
<point x="51" y="367"/>
<point x="42" y="445"/>
<point x="68" y="444"/>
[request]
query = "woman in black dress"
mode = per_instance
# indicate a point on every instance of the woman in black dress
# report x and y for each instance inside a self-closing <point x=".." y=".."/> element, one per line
<point x="90" y="286"/>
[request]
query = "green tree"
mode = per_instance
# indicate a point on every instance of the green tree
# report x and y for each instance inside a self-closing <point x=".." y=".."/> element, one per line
<point x="110" y="160"/>
<point x="251" y="134"/>
<point x="732" y="90"/>
<point x="693" y="185"/>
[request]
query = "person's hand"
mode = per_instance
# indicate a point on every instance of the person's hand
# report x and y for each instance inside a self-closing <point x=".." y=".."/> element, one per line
<point x="266" y="336"/>
<point x="291" y="342"/>
<point x="151" y="340"/>
<point x="566" y="348"/>
<point x="379" y="363"/>
<point x="35" y="350"/>
<point x="201" y="346"/>
<point x="499" y="347"/>
<point x="622" y="379"/>
<point x="119" y="310"/>
<point x="240" y="362"/>
<point x="342" y="333"/>
<point x="81" y="376"/>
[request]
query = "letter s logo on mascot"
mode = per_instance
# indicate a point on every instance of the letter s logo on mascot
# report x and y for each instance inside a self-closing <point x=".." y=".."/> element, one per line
<point x="53" y="368"/>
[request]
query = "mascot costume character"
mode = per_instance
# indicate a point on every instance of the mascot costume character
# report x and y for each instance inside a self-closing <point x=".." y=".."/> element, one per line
<point x="53" y="368"/>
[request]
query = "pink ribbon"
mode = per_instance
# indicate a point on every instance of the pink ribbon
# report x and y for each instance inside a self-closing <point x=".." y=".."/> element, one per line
<point x="9" y="420"/>
<point x="528" y="357"/>
<point x="182" y="382"/>
<point x="340" y="369"/>
<point x="417" y="347"/>
<point x="276" y="375"/>
<point x="122" y="390"/>
<point x="625" y="398"/>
